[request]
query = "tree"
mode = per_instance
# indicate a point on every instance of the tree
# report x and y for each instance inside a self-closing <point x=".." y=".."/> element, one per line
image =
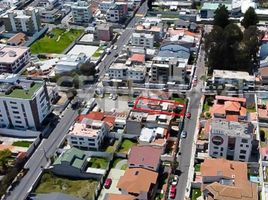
<point x="250" y="18"/>
<point x="221" y="17"/>
<point x="150" y="4"/>
<point x="88" y="69"/>
<point x="4" y="156"/>
<point x="251" y="42"/>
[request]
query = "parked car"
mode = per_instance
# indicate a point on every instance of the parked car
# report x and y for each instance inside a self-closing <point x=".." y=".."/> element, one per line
<point x="175" y="180"/>
<point x="183" y="134"/>
<point x="188" y="115"/>
<point x="172" y="192"/>
<point x="108" y="183"/>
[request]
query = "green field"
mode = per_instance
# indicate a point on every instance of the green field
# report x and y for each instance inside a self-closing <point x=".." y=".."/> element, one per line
<point x="126" y="145"/>
<point x="56" y="41"/>
<point x="82" y="189"/>
<point x="22" y="143"/>
<point x="98" y="162"/>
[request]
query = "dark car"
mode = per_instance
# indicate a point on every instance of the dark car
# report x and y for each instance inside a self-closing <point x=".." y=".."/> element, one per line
<point x="108" y="183"/>
<point x="188" y="115"/>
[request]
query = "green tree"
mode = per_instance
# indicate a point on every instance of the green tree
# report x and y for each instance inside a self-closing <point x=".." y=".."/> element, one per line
<point x="4" y="156"/>
<point x="250" y="18"/>
<point x="150" y="4"/>
<point x="221" y="17"/>
<point x="88" y="69"/>
<point x="251" y="41"/>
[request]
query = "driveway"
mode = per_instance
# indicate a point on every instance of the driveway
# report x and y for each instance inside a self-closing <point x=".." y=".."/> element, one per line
<point x="120" y="164"/>
<point x="115" y="175"/>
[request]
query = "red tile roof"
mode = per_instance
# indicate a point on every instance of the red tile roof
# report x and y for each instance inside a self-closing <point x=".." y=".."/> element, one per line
<point x="138" y="58"/>
<point x="100" y="116"/>
<point x="226" y="98"/>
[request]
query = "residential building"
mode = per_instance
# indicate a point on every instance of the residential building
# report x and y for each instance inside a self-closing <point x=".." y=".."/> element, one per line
<point x="121" y="71"/>
<point x="152" y="25"/>
<point x="141" y="157"/>
<point x="105" y="32"/>
<point x="13" y="59"/>
<point x="263" y="113"/>
<point x="223" y="179"/>
<point x="117" y="12"/>
<point x="263" y="73"/>
<point x="18" y="39"/>
<point x="143" y="39"/>
<point x="24" y="104"/>
<point x="104" y="5"/>
<point x="119" y="197"/>
<point x="70" y="62"/>
<point x="50" y="10"/>
<point x="230" y="140"/>
<point x="81" y="12"/>
<point x="133" y="182"/>
<point x="26" y="21"/>
<point x="88" y="134"/>
<point x="229" y="108"/>
<point x="233" y="79"/>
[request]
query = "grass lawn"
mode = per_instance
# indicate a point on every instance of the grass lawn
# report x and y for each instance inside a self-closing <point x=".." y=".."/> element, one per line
<point x="195" y="194"/>
<point x="98" y="162"/>
<point x="197" y="168"/>
<point x="124" y="167"/>
<point x="265" y="130"/>
<point x="56" y="42"/>
<point x="126" y="145"/>
<point x="179" y="100"/>
<point x="251" y="108"/>
<point x="111" y="148"/>
<point x="98" y="52"/>
<point x="22" y="143"/>
<point x="82" y="189"/>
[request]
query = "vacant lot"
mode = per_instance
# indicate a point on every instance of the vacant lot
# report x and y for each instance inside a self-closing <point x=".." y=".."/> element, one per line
<point x="98" y="162"/>
<point x="55" y="41"/>
<point x="22" y="143"/>
<point x="82" y="189"/>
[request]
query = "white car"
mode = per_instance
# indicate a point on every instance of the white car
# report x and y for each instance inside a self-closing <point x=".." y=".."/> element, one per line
<point x="175" y="180"/>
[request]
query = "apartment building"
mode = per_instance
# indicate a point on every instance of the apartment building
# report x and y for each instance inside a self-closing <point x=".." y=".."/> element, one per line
<point x="26" y="21"/>
<point x="13" y="59"/>
<point x="235" y="80"/>
<point x="81" y="12"/>
<point x="104" y="5"/>
<point x="105" y="32"/>
<point x="121" y="71"/>
<point x="50" y="10"/>
<point x="117" y="12"/>
<point x="88" y="134"/>
<point x="223" y="179"/>
<point x="24" y="104"/>
<point x="142" y="39"/>
<point x="230" y="140"/>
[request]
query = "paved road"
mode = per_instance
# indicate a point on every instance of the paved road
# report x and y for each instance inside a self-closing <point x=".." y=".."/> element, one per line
<point x="190" y="124"/>
<point x="40" y="157"/>
<point x="123" y="39"/>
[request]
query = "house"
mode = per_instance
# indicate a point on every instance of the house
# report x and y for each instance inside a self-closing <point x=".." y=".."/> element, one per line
<point x="24" y="104"/>
<point x="263" y="72"/>
<point x="233" y="79"/>
<point x="117" y="12"/>
<point x="88" y="135"/>
<point x="263" y="113"/>
<point x="141" y="157"/>
<point x="70" y="62"/>
<point x="230" y="140"/>
<point x="137" y="59"/>
<point x="119" y="197"/>
<point x="13" y="58"/>
<point x="230" y="108"/>
<point x="223" y="179"/>
<point x="73" y="163"/>
<point x="26" y="21"/>
<point x="105" y="32"/>
<point x="133" y="182"/>
<point x="81" y="12"/>
<point x="18" y="39"/>
<point x="143" y="39"/>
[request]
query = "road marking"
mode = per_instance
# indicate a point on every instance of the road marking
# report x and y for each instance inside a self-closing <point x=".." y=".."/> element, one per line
<point x="139" y="15"/>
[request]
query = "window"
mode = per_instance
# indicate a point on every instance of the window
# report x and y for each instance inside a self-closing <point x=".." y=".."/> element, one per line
<point x="81" y="138"/>
<point x="16" y="112"/>
<point x="14" y="107"/>
<point x="221" y="148"/>
<point x="221" y="154"/>
<point x="242" y="157"/>
<point x="215" y="153"/>
<point x="216" y="147"/>
<point x="244" y="141"/>
<point x="18" y="122"/>
<point x="243" y="151"/>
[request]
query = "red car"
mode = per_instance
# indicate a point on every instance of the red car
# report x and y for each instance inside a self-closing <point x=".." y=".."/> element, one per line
<point x="188" y="115"/>
<point x="108" y="183"/>
<point x="172" y="192"/>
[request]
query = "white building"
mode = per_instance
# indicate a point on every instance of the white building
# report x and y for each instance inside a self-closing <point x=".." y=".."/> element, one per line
<point x="81" y="12"/>
<point x="13" y="59"/>
<point x="143" y="39"/>
<point x="104" y="5"/>
<point x="24" y="104"/>
<point x="122" y="72"/>
<point x="117" y="12"/>
<point x="87" y="135"/>
<point x="233" y="79"/>
<point x="70" y="62"/>
<point x="230" y="140"/>
<point x="27" y="21"/>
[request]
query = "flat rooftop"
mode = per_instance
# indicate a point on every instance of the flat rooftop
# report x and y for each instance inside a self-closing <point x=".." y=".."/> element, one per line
<point x="80" y="129"/>
<point x="9" y="54"/>
<point x="227" y="74"/>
